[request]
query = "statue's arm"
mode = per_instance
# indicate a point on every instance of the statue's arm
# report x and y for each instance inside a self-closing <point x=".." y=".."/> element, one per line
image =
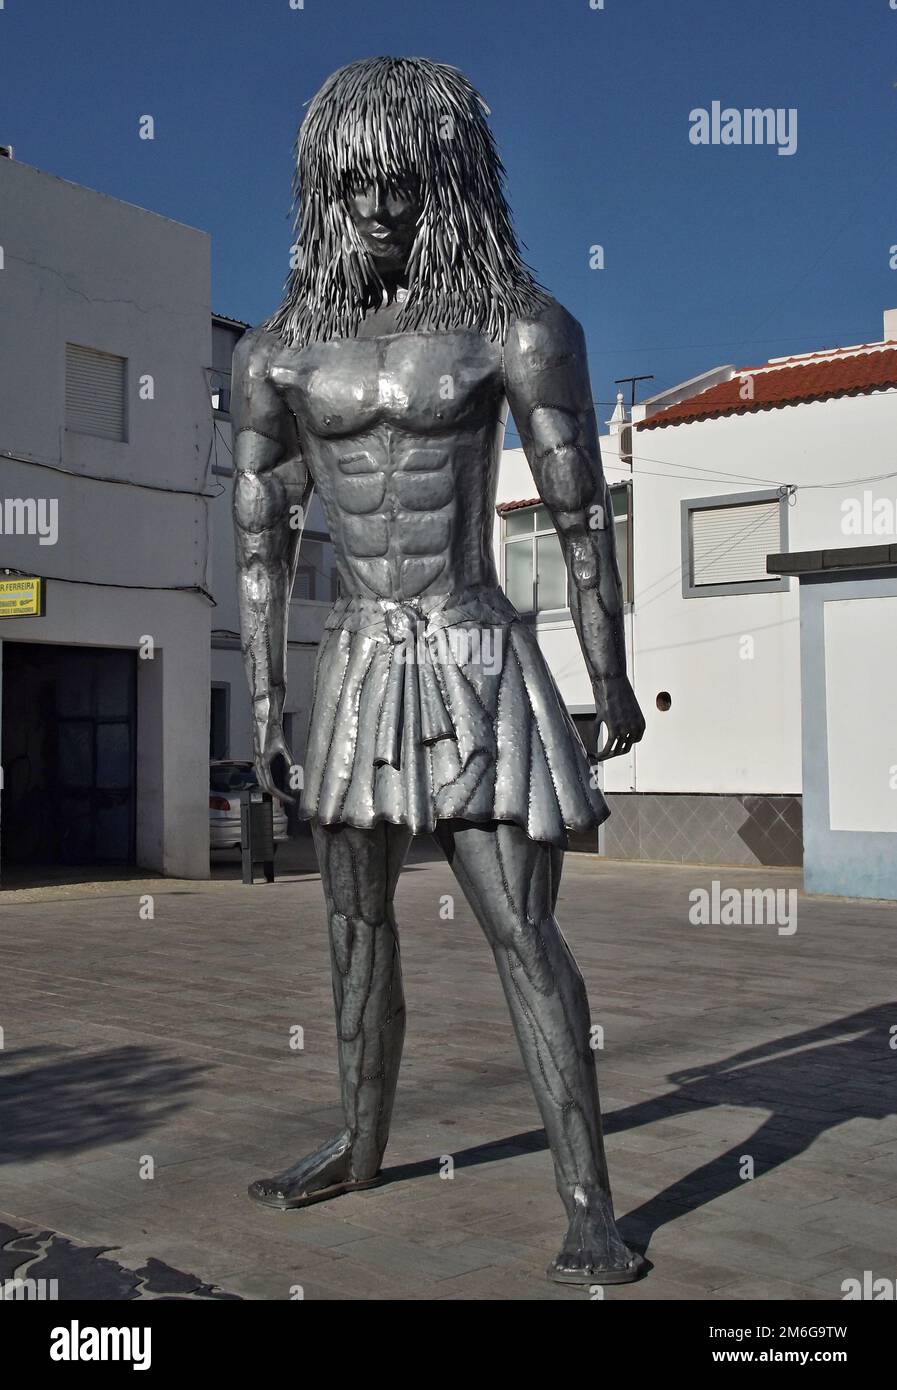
<point x="549" y="392"/>
<point x="270" y="485"/>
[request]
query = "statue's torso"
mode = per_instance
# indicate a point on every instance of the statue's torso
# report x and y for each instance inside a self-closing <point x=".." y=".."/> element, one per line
<point x="402" y="435"/>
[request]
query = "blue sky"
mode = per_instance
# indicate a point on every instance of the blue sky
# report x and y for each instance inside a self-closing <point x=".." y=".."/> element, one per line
<point x="712" y="254"/>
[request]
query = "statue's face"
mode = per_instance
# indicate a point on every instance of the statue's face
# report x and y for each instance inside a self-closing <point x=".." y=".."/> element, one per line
<point x="386" y="221"/>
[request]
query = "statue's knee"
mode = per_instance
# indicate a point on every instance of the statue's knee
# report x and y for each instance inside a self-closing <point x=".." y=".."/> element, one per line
<point x="528" y="955"/>
<point x="357" y="875"/>
<point x="361" y="948"/>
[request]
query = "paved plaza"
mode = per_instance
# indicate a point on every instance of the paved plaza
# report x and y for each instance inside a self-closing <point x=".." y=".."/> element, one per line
<point x="147" y="1075"/>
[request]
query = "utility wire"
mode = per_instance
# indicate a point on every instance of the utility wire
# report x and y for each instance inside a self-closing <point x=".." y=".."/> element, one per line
<point x="105" y="584"/>
<point x="99" y="478"/>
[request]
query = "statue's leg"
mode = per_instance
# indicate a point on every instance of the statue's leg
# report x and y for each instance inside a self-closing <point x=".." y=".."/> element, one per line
<point x="359" y="872"/>
<point x="511" y="882"/>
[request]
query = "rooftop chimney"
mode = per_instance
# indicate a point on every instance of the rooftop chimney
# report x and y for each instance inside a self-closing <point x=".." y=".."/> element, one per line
<point x="6" y="152"/>
<point x="621" y="429"/>
<point x="890" y="325"/>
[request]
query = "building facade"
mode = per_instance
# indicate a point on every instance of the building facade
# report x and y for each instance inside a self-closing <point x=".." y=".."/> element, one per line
<point x="848" y="644"/>
<point x="720" y="472"/>
<point x="106" y="459"/>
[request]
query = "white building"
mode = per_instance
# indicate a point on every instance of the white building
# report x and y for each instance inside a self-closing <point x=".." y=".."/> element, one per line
<point x="106" y="458"/>
<point x="796" y="454"/>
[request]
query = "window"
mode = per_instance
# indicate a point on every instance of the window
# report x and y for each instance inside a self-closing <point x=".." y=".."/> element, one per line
<point x="219" y="388"/>
<point x="225" y="337"/>
<point x="621" y="501"/>
<point x="316" y="572"/>
<point x="535" y="573"/>
<point x="304" y="583"/>
<point x="725" y="542"/>
<point x="94" y="392"/>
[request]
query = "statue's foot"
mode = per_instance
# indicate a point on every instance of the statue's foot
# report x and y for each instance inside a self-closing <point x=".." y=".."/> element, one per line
<point x="324" y="1174"/>
<point x="594" y="1252"/>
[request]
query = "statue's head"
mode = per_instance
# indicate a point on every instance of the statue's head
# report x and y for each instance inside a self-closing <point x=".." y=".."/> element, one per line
<point x="386" y="215"/>
<point x="398" y="179"/>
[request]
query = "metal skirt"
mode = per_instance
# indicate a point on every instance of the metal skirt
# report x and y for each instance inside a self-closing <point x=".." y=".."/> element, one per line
<point x="442" y="709"/>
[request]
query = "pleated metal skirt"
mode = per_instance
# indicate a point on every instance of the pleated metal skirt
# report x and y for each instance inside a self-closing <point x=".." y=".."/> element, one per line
<point x="441" y="709"/>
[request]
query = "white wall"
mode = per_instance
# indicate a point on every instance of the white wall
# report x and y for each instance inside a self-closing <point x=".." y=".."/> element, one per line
<point x="860" y="680"/>
<point x="734" y="725"/>
<point x="84" y="268"/>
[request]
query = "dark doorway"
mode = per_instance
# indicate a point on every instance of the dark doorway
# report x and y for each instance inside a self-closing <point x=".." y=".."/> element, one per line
<point x="68" y="755"/>
<point x="219" y="721"/>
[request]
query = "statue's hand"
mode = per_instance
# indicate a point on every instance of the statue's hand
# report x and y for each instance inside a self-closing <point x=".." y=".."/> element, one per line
<point x="270" y="744"/>
<point x="618" y="710"/>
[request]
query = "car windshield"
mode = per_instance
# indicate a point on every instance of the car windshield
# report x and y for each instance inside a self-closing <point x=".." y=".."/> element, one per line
<point x="232" y="778"/>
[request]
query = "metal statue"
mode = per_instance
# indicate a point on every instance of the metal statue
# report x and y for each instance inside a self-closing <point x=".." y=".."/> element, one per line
<point x="409" y="325"/>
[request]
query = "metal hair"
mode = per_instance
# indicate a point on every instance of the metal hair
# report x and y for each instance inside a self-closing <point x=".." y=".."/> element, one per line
<point x="403" y="122"/>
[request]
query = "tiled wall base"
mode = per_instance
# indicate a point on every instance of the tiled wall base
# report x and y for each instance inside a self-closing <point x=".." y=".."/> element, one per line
<point x="704" y="829"/>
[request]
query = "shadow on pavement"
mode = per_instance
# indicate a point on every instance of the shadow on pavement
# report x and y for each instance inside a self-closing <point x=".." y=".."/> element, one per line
<point x="810" y="1081"/>
<point x="52" y="1102"/>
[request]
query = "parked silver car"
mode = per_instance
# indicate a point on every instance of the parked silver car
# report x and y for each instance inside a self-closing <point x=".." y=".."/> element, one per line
<point x="227" y="778"/>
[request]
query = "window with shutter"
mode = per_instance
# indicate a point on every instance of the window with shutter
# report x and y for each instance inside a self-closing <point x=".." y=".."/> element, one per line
<point x="94" y="392"/>
<point x="726" y="541"/>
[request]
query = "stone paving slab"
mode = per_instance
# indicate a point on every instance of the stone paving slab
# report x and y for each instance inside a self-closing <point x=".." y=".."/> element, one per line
<point x="127" y="1041"/>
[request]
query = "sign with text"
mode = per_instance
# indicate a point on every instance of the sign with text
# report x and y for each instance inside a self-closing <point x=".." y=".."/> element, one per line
<point x="22" y="597"/>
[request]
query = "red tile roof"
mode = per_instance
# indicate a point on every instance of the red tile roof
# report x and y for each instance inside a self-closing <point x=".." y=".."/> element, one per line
<point x="813" y="377"/>
<point x="513" y="506"/>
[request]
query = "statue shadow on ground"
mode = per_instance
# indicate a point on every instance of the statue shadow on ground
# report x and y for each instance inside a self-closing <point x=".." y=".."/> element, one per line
<point x="810" y="1082"/>
<point x="55" y="1103"/>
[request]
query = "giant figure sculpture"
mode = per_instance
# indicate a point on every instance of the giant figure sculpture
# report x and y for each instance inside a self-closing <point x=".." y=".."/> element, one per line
<point x="410" y="323"/>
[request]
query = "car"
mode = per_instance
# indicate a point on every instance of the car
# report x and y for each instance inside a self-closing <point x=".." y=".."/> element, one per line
<point x="227" y="778"/>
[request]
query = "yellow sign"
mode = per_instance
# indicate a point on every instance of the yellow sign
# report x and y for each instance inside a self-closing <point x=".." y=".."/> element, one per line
<point x="22" y="597"/>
